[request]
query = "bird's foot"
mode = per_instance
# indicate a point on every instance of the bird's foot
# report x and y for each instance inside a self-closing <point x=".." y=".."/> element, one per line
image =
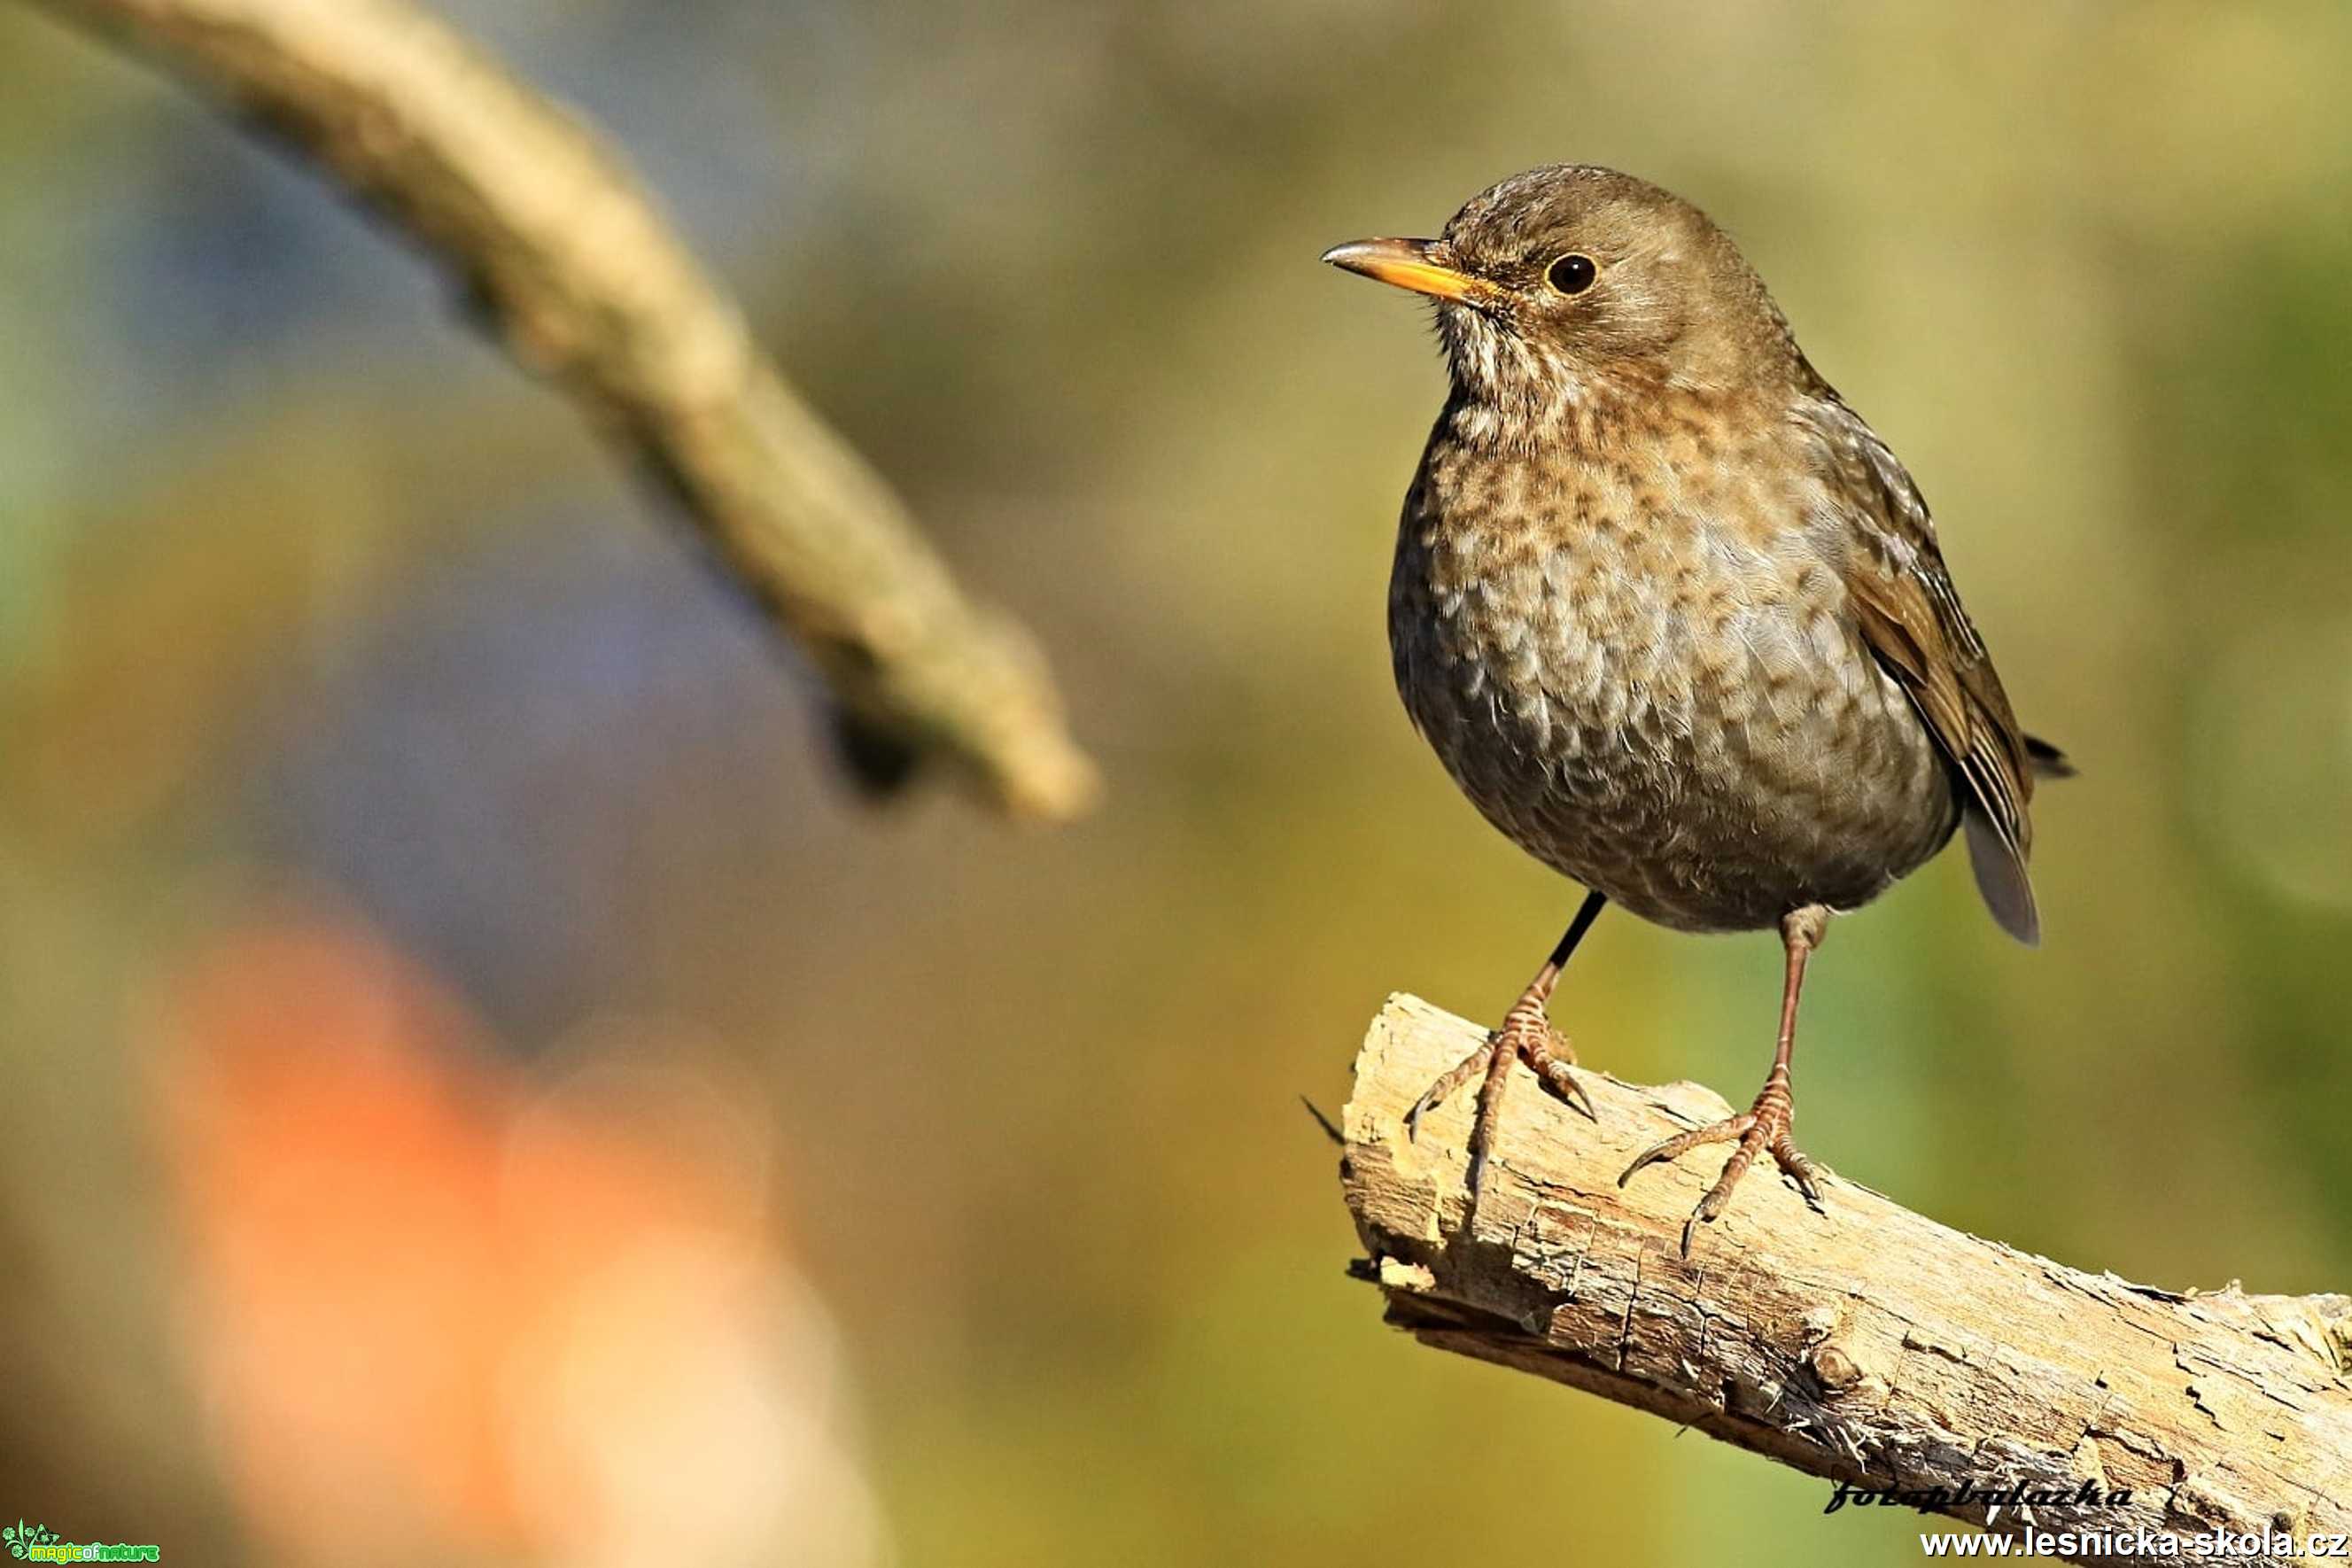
<point x="1765" y="1125"/>
<point x="1527" y="1036"/>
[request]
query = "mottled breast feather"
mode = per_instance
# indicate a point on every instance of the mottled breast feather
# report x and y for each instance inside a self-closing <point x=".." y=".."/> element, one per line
<point x="1636" y="652"/>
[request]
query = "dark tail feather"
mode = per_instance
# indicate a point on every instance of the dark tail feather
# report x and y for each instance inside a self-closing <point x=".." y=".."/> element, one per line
<point x="2001" y="878"/>
<point x="2048" y="761"/>
<point x="2000" y="868"/>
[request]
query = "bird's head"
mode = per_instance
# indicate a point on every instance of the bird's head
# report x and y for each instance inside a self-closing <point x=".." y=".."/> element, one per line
<point x="1572" y="278"/>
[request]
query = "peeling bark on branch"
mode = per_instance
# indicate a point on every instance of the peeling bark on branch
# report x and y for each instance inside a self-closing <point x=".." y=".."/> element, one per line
<point x="587" y="285"/>
<point x="1870" y="1346"/>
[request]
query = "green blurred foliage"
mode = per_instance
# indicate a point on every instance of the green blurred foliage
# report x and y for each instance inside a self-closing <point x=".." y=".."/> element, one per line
<point x="304" y="586"/>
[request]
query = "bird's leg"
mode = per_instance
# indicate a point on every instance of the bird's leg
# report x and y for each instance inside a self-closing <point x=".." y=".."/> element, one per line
<point x="1525" y="1035"/>
<point x="1768" y="1123"/>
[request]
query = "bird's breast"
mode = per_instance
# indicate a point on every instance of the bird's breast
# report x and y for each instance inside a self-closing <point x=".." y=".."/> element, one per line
<point x="1641" y="666"/>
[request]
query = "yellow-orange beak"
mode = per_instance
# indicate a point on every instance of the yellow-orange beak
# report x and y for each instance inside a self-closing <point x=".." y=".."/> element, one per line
<point x="1406" y="264"/>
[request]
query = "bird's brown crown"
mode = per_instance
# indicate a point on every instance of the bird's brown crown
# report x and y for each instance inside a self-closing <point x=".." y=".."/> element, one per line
<point x="1570" y="278"/>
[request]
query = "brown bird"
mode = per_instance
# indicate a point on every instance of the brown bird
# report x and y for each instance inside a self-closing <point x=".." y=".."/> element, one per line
<point x="1673" y="617"/>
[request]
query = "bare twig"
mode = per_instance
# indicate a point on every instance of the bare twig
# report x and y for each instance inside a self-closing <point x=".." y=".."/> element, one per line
<point x="587" y="284"/>
<point x="1870" y="1346"/>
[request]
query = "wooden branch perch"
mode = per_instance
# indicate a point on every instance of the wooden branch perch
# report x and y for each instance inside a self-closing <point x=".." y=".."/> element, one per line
<point x="587" y="285"/>
<point x="1871" y="1346"/>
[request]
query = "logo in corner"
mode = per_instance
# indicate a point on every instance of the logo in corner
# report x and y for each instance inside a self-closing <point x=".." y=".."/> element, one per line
<point x="22" y="1538"/>
<point x="40" y="1543"/>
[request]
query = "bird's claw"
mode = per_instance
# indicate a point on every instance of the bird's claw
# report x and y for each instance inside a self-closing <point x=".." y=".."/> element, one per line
<point x="1763" y="1128"/>
<point x="1470" y="1067"/>
<point x="1528" y="1037"/>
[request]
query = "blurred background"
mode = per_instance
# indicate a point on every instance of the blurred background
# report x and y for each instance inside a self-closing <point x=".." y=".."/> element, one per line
<point x="478" y="1090"/>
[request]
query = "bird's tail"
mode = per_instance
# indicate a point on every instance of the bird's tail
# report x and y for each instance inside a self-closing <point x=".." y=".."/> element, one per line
<point x="2048" y="761"/>
<point x="1999" y="864"/>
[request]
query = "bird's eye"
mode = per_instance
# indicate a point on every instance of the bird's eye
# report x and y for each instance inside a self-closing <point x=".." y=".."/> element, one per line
<point x="1571" y="274"/>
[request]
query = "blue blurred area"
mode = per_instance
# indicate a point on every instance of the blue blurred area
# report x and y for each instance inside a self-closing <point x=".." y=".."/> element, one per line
<point x="482" y="773"/>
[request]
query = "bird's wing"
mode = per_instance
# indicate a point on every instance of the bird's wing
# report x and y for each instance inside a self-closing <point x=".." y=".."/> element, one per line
<point x="1911" y="617"/>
